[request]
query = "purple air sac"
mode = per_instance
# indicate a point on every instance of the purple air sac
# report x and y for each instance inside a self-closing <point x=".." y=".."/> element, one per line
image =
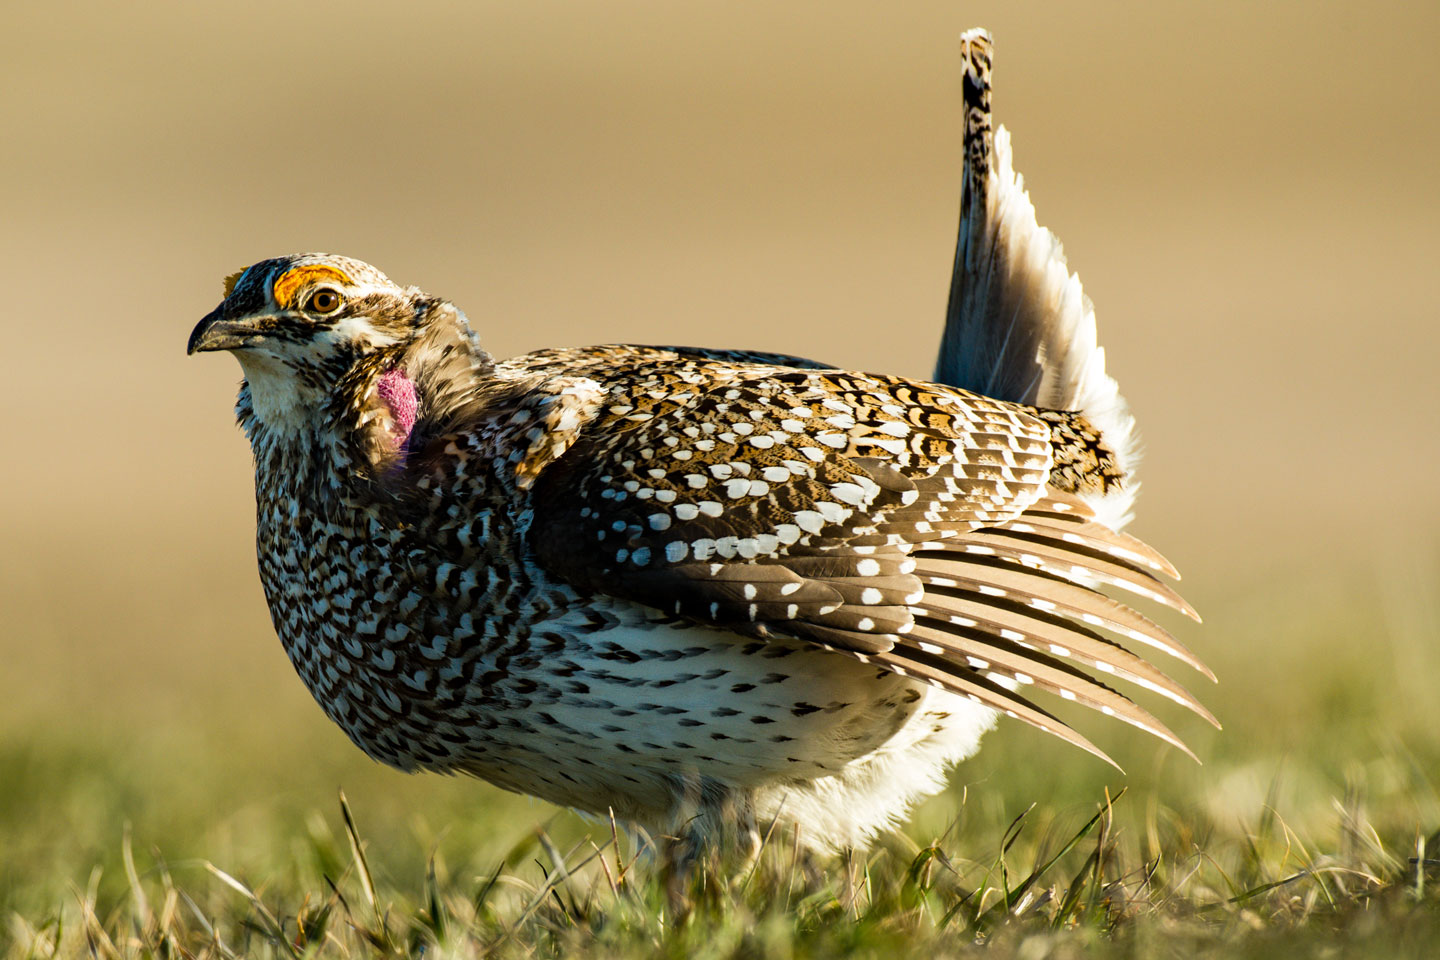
<point x="398" y="392"/>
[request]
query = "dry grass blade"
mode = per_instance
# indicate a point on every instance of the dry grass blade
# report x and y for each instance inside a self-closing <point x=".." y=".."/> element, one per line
<point x="561" y="876"/>
<point x="1014" y="897"/>
<point x="378" y="935"/>
<point x="142" y="902"/>
<point x="551" y="879"/>
<point x="1254" y="892"/>
<point x="96" y="937"/>
<point x="207" y="926"/>
<point x="764" y="843"/>
<point x="435" y="918"/>
<point x="483" y="894"/>
<point x="615" y="839"/>
<point x="357" y="852"/>
<point x="273" y="928"/>
<point x="1421" y="864"/>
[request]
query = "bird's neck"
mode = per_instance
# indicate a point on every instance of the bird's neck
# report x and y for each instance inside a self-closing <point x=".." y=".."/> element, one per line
<point x="275" y="398"/>
<point x="330" y="444"/>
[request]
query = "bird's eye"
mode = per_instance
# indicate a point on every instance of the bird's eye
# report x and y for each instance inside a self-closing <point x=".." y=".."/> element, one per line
<point x="323" y="301"/>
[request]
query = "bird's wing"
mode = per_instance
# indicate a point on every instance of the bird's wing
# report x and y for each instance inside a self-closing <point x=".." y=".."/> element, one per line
<point x="749" y="356"/>
<point x="913" y="526"/>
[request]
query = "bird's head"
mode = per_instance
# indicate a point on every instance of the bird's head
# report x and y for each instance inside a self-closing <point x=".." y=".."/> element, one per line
<point x="311" y="327"/>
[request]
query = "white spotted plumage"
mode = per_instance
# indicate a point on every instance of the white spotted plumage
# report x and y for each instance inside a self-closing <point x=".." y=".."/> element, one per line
<point x="702" y="589"/>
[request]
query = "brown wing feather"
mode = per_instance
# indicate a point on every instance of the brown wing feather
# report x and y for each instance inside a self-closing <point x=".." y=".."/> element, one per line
<point x="997" y="579"/>
<point x="1070" y="561"/>
<point x="905" y="524"/>
<point x="909" y="661"/>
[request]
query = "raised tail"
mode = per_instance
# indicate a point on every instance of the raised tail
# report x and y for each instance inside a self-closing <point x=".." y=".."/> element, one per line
<point x="1018" y="326"/>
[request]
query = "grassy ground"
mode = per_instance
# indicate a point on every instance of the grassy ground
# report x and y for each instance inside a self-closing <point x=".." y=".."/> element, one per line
<point x="133" y="823"/>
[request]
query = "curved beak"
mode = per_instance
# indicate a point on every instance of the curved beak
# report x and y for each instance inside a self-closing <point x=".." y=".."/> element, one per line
<point x="214" y="332"/>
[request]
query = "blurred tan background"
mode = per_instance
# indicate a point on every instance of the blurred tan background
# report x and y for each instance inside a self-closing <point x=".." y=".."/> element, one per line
<point x="1248" y="192"/>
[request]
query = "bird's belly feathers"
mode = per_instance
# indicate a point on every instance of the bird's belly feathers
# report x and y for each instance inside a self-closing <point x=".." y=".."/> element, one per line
<point x="661" y="711"/>
<point x="671" y="696"/>
<point x="600" y="705"/>
<point x="592" y="702"/>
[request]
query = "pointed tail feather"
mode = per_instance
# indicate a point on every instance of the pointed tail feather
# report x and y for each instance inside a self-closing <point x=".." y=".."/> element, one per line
<point x="1018" y="326"/>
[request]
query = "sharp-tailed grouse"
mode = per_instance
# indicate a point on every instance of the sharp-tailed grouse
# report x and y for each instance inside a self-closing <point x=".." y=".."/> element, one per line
<point x="702" y="589"/>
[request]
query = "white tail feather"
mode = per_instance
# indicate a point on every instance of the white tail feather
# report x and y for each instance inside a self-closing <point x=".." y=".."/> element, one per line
<point x="1019" y="327"/>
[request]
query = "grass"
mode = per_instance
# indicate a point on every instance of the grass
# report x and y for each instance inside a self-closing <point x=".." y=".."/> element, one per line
<point x="1129" y="879"/>
<point x="140" y="819"/>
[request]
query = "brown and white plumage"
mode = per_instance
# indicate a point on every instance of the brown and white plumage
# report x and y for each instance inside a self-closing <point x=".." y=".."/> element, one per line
<point x="1019" y="326"/>
<point x="700" y="588"/>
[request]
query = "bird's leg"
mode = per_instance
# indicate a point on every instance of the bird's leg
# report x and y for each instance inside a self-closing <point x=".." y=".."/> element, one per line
<point x="681" y="846"/>
<point x="718" y="845"/>
<point x="747" y="842"/>
<point x="679" y="857"/>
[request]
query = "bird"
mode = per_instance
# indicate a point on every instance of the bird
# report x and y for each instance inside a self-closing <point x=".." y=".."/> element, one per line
<point x="702" y="591"/>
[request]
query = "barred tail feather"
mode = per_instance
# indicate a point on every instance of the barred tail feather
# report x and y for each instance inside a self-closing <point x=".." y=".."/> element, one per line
<point x="1018" y="326"/>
